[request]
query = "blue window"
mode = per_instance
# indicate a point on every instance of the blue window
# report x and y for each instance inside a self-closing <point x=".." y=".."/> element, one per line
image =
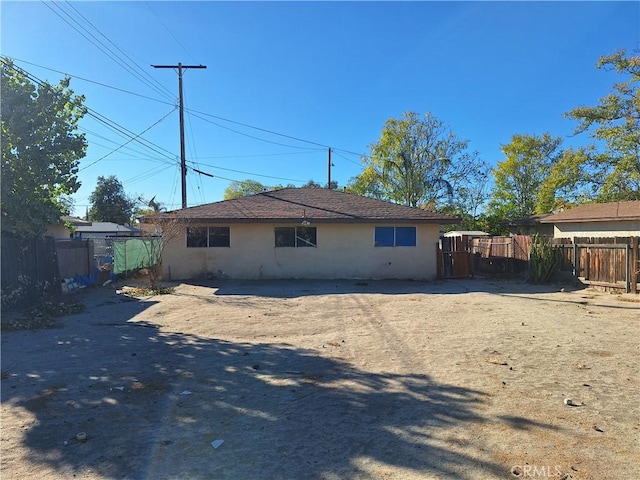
<point x="385" y="237"/>
<point x="405" y="236"/>
<point x="395" y="236"/>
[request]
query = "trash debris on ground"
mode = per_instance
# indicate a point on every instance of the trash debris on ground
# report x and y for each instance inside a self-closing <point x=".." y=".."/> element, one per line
<point x="117" y="388"/>
<point x="81" y="436"/>
<point x="185" y="392"/>
<point x="572" y="403"/>
<point x="217" y="443"/>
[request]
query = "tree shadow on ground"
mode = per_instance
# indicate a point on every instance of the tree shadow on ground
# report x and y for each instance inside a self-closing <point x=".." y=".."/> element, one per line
<point x="151" y="402"/>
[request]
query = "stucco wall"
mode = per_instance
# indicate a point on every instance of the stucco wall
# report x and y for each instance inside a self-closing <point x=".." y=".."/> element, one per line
<point x="597" y="229"/>
<point x="58" y="232"/>
<point x="343" y="251"/>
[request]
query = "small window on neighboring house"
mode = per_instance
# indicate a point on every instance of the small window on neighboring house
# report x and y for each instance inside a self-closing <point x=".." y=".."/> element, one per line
<point x="395" y="236"/>
<point x="295" y="237"/>
<point x="208" y="237"/>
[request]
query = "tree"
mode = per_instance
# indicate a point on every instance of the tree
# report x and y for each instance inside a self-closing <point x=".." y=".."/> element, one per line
<point x="416" y="162"/>
<point x="40" y="150"/>
<point x="314" y="184"/>
<point x="568" y="182"/>
<point x="243" y="188"/>
<point x="159" y="229"/>
<point x="615" y="121"/>
<point x="519" y="178"/>
<point x="471" y="195"/>
<point x="109" y="203"/>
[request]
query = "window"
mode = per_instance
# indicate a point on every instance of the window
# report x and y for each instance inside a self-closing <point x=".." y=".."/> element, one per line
<point x="208" y="237"/>
<point x="295" y="237"/>
<point x="405" y="236"/>
<point x="395" y="237"/>
<point x="385" y="236"/>
<point x="218" y="236"/>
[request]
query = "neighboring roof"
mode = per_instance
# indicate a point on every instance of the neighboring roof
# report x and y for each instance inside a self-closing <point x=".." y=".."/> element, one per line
<point x="75" y="221"/>
<point x="530" y="220"/>
<point x="467" y="233"/>
<point x="598" y="212"/>
<point x="106" y="227"/>
<point x="317" y="205"/>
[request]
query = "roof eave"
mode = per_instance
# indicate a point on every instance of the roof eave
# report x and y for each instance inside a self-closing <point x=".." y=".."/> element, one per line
<point x="585" y="220"/>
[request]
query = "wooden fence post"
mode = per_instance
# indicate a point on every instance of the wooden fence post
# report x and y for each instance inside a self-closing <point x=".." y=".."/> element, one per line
<point x="575" y="262"/>
<point x="632" y="261"/>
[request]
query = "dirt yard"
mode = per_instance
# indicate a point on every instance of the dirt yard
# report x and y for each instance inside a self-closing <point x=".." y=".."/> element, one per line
<point x="328" y="380"/>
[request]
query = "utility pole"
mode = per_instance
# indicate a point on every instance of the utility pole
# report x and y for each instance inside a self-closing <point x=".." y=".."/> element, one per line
<point x="183" y="160"/>
<point x="329" y="171"/>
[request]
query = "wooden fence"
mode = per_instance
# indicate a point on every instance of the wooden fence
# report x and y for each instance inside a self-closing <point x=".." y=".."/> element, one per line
<point x="34" y="269"/>
<point x="454" y="258"/>
<point x="501" y="254"/>
<point x="29" y="270"/>
<point x="610" y="263"/>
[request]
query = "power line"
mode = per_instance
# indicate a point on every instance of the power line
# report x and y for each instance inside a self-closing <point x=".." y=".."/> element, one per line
<point x="169" y="31"/>
<point x="194" y="112"/>
<point x="253" y="174"/>
<point x="128" y="141"/>
<point x="102" y="119"/>
<point x="77" y="77"/>
<point x="109" y="52"/>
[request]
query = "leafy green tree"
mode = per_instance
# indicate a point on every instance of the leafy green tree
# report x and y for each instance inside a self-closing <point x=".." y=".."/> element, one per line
<point x="416" y="162"/>
<point x="615" y="122"/>
<point x="314" y="184"/>
<point x="568" y="183"/>
<point x="109" y="203"/>
<point x="519" y="178"/>
<point x="243" y="188"/>
<point x="40" y="150"/>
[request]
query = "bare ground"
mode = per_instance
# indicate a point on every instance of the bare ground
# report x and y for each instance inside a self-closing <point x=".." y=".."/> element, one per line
<point x="328" y="380"/>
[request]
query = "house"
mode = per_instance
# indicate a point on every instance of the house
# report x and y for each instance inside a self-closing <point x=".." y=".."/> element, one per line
<point x="466" y="233"/>
<point x="614" y="219"/>
<point x="309" y="233"/>
<point x="106" y="230"/>
<point x="530" y="225"/>
<point x="62" y="230"/>
<point x="103" y="234"/>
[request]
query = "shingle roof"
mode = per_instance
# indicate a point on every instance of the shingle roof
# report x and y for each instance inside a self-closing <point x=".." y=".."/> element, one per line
<point x="598" y="212"/>
<point x="105" y="227"/>
<point x="319" y="205"/>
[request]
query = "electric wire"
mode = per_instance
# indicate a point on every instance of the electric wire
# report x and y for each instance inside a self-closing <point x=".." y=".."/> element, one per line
<point x="128" y="141"/>
<point x="105" y="49"/>
<point x="170" y="32"/>
<point x="333" y="149"/>
<point x="171" y="157"/>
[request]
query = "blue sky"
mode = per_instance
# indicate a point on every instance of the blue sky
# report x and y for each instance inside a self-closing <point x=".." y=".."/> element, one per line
<point x="328" y="73"/>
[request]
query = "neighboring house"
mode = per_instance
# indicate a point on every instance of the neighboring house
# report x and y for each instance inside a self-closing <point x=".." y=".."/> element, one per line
<point x="614" y="219"/>
<point x="61" y="230"/>
<point x="106" y="230"/>
<point x="466" y="233"/>
<point x="531" y="225"/>
<point x="309" y="233"/>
